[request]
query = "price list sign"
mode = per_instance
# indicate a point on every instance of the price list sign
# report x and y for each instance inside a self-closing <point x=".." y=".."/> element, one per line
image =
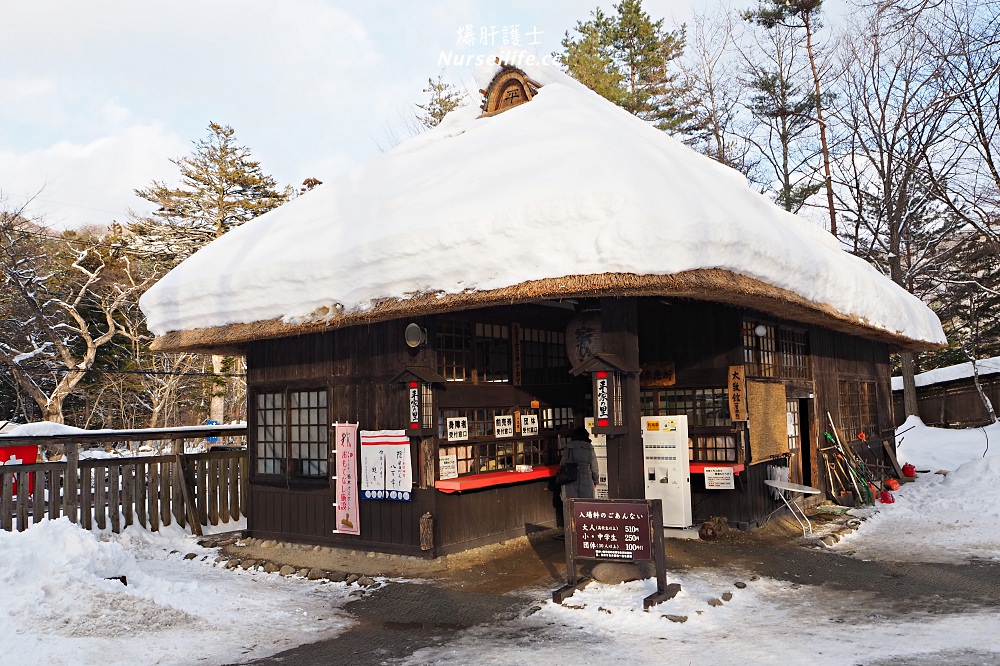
<point x="628" y="530"/>
<point x="612" y="531"/>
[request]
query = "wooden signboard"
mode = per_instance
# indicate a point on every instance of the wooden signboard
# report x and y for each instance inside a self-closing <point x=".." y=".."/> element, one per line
<point x="615" y="531"/>
<point x="737" y="386"/>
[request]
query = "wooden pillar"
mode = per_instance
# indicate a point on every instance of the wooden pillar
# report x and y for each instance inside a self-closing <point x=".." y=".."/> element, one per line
<point x="620" y="336"/>
<point x="71" y="487"/>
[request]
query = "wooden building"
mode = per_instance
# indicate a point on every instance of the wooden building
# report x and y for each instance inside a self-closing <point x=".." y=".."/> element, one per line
<point x="948" y="397"/>
<point x="410" y="305"/>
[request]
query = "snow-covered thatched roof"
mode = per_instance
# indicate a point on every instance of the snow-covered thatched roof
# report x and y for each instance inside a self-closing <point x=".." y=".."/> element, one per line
<point x="565" y="195"/>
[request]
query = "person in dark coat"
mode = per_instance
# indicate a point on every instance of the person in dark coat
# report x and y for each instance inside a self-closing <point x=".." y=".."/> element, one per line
<point x="581" y="451"/>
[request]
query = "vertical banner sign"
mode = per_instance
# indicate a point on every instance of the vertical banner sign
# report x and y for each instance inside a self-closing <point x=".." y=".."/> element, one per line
<point x="385" y="459"/>
<point x="603" y="404"/>
<point x="737" y="394"/>
<point x="414" y="399"/>
<point x="347" y="483"/>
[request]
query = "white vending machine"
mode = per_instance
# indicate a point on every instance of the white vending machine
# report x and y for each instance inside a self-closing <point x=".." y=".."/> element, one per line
<point x="667" y="471"/>
<point x="600" y="444"/>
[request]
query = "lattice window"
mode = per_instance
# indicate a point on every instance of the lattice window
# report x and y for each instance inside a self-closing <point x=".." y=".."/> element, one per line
<point x="794" y="425"/>
<point x="486" y="453"/>
<point x="309" y="432"/>
<point x="759" y="351"/>
<point x="270" y="433"/>
<point x="453" y="346"/>
<point x="772" y="351"/>
<point x="293" y="433"/>
<point x="794" y="354"/>
<point x="705" y="407"/>
<point x="713" y="447"/>
<point x="544" y="354"/>
<point x="557" y="418"/>
<point x="858" y="409"/>
<point x="492" y="346"/>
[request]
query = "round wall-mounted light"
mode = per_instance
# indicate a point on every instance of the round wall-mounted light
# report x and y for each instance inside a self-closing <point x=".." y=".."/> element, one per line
<point x="415" y="336"/>
<point x="760" y="330"/>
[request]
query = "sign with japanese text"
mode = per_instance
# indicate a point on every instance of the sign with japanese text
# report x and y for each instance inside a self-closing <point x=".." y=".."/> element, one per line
<point x="737" y="394"/>
<point x="529" y="424"/>
<point x="448" y="467"/>
<point x="602" y="399"/>
<point x="612" y="530"/>
<point x="346" y="435"/>
<point x="503" y="425"/>
<point x="719" y="478"/>
<point x="414" y="404"/>
<point x="615" y="530"/>
<point x="458" y="428"/>
<point x="385" y="464"/>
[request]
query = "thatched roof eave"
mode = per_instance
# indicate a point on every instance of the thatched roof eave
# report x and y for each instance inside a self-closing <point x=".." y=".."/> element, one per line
<point x="712" y="285"/>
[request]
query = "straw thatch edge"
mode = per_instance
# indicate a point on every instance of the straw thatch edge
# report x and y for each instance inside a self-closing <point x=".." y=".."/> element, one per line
<point x="713" y="285"/>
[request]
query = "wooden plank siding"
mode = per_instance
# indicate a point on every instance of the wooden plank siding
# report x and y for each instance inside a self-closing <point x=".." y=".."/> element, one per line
<point x="357" y="366"/>
<point x="952" y="404"/>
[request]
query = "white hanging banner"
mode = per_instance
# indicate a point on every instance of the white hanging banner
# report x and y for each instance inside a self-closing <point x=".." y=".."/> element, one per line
<point x="385" y="461"/>
<point x="348" y="519"/>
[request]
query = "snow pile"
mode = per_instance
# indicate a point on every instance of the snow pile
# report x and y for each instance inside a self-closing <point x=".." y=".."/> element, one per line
<point x="986" y="366"/>
<point x="64" y="604"/>
<point x="952" y="517"/>
<point x="566" y="184"/>
<point x="944" y="448"/>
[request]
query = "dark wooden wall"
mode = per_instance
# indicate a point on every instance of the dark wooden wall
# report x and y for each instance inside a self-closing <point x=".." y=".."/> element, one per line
<point x="358" y="366"/>
<point x="954" y="404"/>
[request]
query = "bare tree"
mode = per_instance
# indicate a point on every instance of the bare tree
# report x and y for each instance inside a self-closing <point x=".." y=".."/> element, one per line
<point x="804" y="16"/>
<point x="715" y="91"/>
<point x="965" y="38"/>
<point x="59" y="307"/>
<point x="896" y="121"/>
<point x="776" y="74"/>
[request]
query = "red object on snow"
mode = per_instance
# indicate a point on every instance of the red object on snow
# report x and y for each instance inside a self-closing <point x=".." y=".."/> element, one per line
<point x="909" y="470"/>
<point x="886" y="497"/>
<point x="20" y="455"/>
<point x="892" y="484"/>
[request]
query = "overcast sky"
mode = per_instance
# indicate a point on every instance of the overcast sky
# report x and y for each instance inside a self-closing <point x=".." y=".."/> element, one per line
<point x="96" y="97"/>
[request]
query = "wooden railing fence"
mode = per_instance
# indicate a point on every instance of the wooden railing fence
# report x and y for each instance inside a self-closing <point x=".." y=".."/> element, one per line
<point x="191" y="489"/>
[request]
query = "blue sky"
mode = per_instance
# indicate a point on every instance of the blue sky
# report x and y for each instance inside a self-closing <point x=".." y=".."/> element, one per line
<point x="96" y="97"/>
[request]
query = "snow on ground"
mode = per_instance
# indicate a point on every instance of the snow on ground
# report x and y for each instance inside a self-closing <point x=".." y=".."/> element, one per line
<point x="62" y="604"/>
<point x="59" y="606"/>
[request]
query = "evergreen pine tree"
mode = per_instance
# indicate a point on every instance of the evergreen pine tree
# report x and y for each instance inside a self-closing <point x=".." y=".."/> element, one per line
<point x="222" y="187"/>
<point x="803" y="15"/>
<point x="443" y="98"/>
<point x="629" y="59"/>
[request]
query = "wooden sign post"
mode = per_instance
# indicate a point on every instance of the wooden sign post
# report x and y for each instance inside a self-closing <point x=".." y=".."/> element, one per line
<point x="615" y="531"/>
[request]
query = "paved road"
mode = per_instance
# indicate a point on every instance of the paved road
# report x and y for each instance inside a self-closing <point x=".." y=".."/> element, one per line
<point x="399" y="618"/>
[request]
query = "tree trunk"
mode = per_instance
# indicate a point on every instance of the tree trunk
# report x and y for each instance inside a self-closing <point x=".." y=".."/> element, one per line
<point x="217" y="406"/>
<point x="822" y="130"/>
<point x="909" y="384"/>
